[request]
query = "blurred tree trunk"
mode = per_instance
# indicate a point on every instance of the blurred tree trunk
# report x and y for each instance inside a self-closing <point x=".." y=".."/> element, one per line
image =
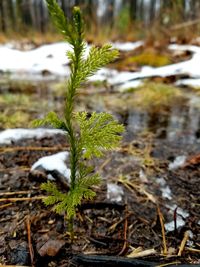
<point x="133" y="9"/>
<point x="152" y="10"/>
<point x="18" y="12"/>
<point x="167" y="4"/>
<point x="11" y="12"/>
<point x="2" y="14"/>
<point x="67" y="7"/>
<point x="26" y="13"/>
<point x="141" y="10"/>
<point x="90" y="13"/>
<point x="42" y="17"/>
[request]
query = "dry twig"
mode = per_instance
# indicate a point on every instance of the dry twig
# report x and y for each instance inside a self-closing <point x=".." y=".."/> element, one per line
<point x="15" y="199"/>
<point x="28" y="227"/>
<point x="183" y="242"/>
<point x="138" y="253"/>
<point x="125" y="235"/>
<point x="163" y="231"/>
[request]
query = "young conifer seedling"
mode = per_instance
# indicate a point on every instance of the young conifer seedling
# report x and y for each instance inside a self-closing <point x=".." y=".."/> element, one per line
<point x="97" y="133"/>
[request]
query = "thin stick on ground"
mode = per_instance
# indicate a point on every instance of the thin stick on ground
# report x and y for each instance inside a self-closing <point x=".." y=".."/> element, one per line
<point x="31" y="148"/>
<point x="5" y="206"/>
<point x="163" y="231"/>
<point x="183" y="243"/>
<point x="15" y="199"/>
<point x="28" y="227"/>
<point x="16" y="193"/>
<point x="125" y="234"/>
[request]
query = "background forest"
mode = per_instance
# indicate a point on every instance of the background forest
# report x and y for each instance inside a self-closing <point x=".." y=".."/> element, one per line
<point x="128" y="19"/>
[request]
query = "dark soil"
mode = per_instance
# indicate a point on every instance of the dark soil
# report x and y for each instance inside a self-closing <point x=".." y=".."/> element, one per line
<point x="32" y="235"/>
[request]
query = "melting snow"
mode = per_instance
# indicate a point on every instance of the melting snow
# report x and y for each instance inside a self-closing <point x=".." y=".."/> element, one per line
<point x="47" y="57"/>
<point x="178" y="162"/>
<point x="55" y="162"/>
<point x="165" y="189"/>
<point x="128" y="46"/>
<point x="181" y="215"/>
<point x="51" y="58"/>
<point x="114" y="192"/>
<point x="10" y="135"/>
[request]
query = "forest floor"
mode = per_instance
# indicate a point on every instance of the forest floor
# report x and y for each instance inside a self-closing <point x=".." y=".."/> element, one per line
<point x="162" y="125"/>
<point x="32" y="235"/>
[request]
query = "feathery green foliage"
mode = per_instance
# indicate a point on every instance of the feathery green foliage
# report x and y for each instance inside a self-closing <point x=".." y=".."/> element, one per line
<point x="96" y="134"/>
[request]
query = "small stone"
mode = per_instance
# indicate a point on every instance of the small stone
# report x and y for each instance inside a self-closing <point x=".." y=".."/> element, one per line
<point x="51" y="248"/>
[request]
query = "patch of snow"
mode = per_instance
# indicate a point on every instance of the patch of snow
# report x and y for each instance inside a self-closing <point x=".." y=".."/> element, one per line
<point x="47" y="57"/>
<point x="55" y="162"/>
<point x="114" y="192"/>
<point x="104" y="74"/>
<point x="178" y="162"/>
<point x="190" y="243"/>
<point x="189" y="67"/>
<point x="194" y="83"/>
<point x="10" y="135"/>
<point x="142" y="176"/>
<point x="129" y="85"/>
<point x="181" y="215"/>
<point x="127" y="46"/>
<point x="51" y="58"/>
<point x="170" y="225"/>
<point x="165" y="189"/>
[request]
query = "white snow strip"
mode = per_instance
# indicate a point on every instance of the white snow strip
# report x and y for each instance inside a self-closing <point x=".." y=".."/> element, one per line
<point x="51" y="58"/>
<point x="127" y="46"/>
<point x="194" y="83"/>
<point x="130" y="85"/>
<point x="10" y="135"/>
<point x="47" y="57"/>
<point x="114" y="192"/>
<point x="189" y="67"/>
<point x="178" y="162"/>
<point x="55" y="162"/>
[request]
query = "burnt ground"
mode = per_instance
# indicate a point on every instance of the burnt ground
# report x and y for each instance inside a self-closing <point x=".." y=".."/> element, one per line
<point x="32" y="235"/>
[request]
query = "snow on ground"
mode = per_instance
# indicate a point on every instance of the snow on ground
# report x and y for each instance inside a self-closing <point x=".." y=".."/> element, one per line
<point x="10" y="135"/>
<point x="178" y="162"/>
<point x="55" y="163"/>
<point x="127" y="46"/>
<point x="51" y="58"/>
<point x="114" y="192"/>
